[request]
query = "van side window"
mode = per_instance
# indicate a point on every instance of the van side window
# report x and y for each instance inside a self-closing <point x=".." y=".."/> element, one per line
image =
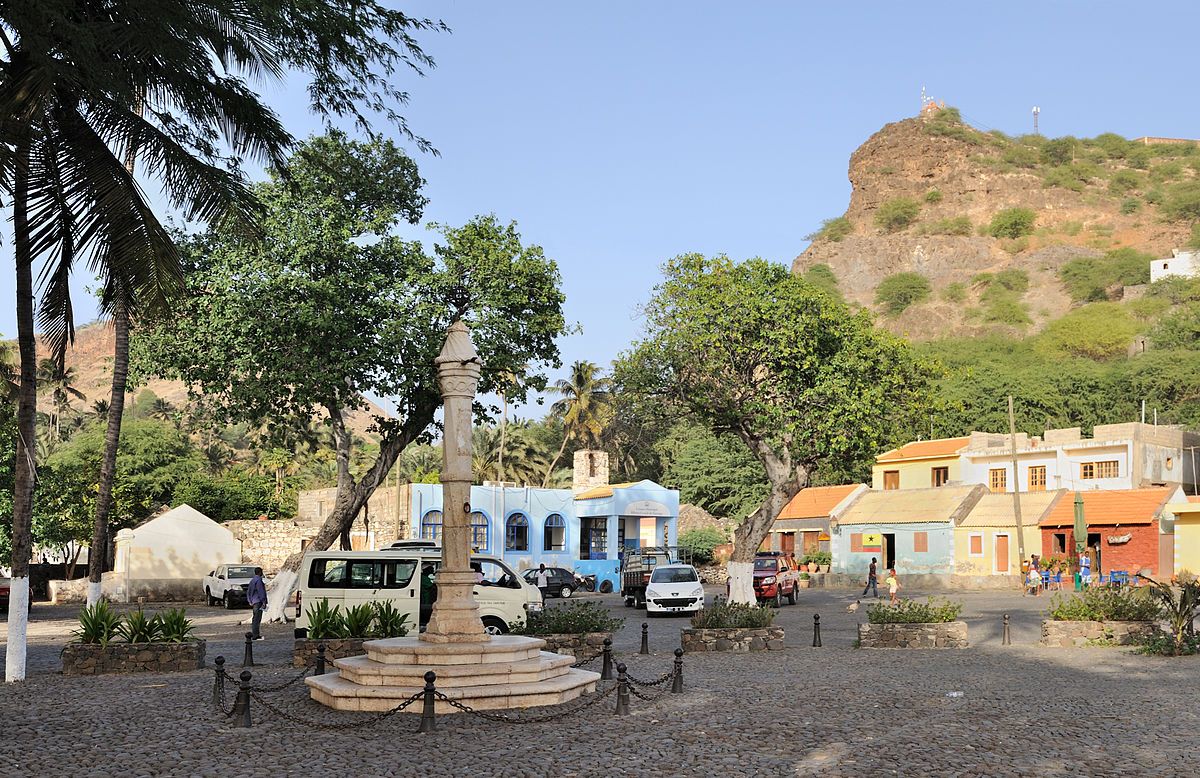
<point x="365" y="574"/>
<point x="402" y="573"/>
<point x="327" y="574"/>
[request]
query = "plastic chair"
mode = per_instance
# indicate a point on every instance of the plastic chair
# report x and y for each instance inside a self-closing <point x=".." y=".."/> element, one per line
<point x="1047" y="579"/>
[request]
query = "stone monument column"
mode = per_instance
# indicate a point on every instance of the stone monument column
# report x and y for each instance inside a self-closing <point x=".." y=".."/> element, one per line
<point x="455" y="617"/>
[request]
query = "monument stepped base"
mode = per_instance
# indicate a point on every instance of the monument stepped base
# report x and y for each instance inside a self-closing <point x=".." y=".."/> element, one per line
<point x="509" y="671"/>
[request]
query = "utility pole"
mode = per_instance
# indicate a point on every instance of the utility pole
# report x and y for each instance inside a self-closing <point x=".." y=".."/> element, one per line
<point x="1012" y="437"/>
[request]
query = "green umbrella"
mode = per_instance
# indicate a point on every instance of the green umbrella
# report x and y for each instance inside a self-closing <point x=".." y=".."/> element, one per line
<point x="1080" y="525"/>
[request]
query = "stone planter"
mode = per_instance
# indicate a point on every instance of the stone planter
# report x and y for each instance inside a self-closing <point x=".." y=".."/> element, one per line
<point x="1079" y="633"/>
<point x="98" y="659"/>
<point x="739" y="640"/>
<point x="952" y="634"/>
<point x="579" y="645"/>
<point x="305" y="652"/>
<point x="805" y="583"/>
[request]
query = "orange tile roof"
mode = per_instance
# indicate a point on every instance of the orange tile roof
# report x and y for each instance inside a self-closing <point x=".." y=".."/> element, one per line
<point x="603" y="491"/>
<point x="1193" y="498"/>
<point x="923" y="449"/>
<point x="1111" y="506"/>
<point x="816" y="501"/>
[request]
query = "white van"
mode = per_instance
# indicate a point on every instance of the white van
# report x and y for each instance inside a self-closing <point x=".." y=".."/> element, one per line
<point x="348" y="578"/>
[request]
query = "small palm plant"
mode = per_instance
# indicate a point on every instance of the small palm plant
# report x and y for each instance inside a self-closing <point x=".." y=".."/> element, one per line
<point x="389" y="621"/>
<point x="1179" y="610"/>
<point x="97" y="624"/>
<point x="325" y="621"/>
<point x="174" y="626"/>
<point x="358" y="620"/>
<point x="138" y="629"/>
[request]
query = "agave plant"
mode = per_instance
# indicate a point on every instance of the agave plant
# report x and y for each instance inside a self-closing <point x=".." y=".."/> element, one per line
<point x="325" y="621"/>
<point x="358" y="620"/>
<point x="138" y="629"/>
<point x="390" y="622"/>
<point x="97" y="624"/>
<point x="174" y="626"/>
<point x="1179" y="610"/>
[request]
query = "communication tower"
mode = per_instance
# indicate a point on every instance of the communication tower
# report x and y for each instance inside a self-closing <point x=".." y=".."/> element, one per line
<point x="1036" y="111"/>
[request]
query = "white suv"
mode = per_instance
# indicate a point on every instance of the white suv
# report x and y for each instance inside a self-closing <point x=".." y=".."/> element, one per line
<point x="674" y="588"/>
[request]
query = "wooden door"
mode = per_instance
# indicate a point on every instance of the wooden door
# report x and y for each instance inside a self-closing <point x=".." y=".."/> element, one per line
<point x="1001" y="554"/>
<point x="787" y="542"/>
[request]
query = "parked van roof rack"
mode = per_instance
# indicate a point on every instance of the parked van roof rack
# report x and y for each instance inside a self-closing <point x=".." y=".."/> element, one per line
<point x="414" y="544"/>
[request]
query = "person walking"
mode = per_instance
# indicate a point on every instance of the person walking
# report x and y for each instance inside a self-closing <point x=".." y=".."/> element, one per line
<point x="872" y="580"/>
<point x="893" y="585"/>
<point x="256" y="595"/>
<point x="543" y="581"/>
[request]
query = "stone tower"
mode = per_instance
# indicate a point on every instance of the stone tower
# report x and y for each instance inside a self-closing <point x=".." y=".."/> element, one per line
<point x="591" y="470"/>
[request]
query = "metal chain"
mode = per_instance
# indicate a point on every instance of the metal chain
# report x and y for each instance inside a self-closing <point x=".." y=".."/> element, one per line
<point x="588" y="661"/>
<point x="648" y="697"/>
<point x="588" y="702"/>
<point x="662" y="680"/>
<point x="284" y="685"/>
<point x="335" y="727"/>
<point x="221" y="705"/>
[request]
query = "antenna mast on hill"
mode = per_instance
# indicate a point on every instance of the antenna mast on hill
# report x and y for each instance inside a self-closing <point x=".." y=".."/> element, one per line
<point x="1036" y="111"/>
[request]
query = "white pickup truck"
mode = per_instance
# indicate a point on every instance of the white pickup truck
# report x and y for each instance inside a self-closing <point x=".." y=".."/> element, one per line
<point x="227" y="585"/>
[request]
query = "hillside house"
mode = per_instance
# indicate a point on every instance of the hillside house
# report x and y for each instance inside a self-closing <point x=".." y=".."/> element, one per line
<point x="919" y="465"/>
<point x="1184" y="264"/>
<point x="802" y="527"/>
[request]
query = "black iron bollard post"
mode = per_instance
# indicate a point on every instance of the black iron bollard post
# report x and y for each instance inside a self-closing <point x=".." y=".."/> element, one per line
<point x="645" y="638"/>
<point x="219" y="683"/>
<point x="428" y="723"/>
<point x="816" y="630"/>
<point x="1007" y="639"/>
<point x="606" y="668"/>
<point x="677" y="682"/>
<point x="248" y="657"/>
<point x="622" y="691"/>
<point x="320" y="659"/>
<point x="241" y="704"/>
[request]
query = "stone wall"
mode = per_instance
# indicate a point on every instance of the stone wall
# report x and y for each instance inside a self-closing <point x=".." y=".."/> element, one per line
<point x="269" y="543"/>
<point x="387" y="512"/>
<point x="951" y="634"/>
<point x="304" y="654"/>
<point x="68" y="592"/>
<point x="1079" y="633"/>
<point x="579" y="645"/>
<point x="735" y="640"/>
<point x="96" y="659"/>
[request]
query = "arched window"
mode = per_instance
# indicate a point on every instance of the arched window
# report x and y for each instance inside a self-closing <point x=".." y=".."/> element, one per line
<point x="554" y="538"/>
<point x="516" y="533"/>
<point x="431" y="526"/>
<point x="479" y="531"/>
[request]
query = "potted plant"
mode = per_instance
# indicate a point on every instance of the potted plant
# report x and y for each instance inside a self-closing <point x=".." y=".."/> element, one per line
<point x="344" y="633"/>
<point x="578" y="629"/>
<point x="109" y="642"/>
<point x="804" y="580"/>
<point x="736" y="627"/>
<point x="912" y="624"/>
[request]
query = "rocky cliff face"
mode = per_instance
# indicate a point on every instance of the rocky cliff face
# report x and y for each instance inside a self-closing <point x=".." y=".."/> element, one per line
<point x="974" y="181"/>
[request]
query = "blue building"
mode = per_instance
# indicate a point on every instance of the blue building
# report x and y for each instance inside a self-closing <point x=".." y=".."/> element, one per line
<point x="585" y="528"/>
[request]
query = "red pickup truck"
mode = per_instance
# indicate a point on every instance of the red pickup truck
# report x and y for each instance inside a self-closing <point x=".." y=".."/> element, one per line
<point x="776" y="576"/>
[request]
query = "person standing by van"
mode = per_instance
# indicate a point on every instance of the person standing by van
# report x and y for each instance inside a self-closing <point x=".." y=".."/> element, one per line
<point x="543" y="581"/>
<point x="256" y="595"/>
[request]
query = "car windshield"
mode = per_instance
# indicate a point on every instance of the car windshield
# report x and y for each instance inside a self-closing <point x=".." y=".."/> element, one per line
<point x="766" y="564"/>
<point x="243" y="571"/>
<point x="674" y="575"/>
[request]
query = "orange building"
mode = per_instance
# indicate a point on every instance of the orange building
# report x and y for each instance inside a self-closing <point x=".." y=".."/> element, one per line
<point x="802" y="527"/>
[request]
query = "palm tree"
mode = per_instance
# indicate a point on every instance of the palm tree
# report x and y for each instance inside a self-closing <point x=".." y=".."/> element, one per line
<point x="57" y="381"/>
<point x="100" y="409"/>
<point x="162" y="410"/>
<point x="506" y="379"/>
<point x="583" y="407"/>
<point x="9" y="383"/>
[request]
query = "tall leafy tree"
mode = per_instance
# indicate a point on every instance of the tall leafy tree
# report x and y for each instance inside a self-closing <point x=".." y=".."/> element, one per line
<point x="333" y="306"/>
<point x="749" y="349"/>
<point x="582" y="406"/>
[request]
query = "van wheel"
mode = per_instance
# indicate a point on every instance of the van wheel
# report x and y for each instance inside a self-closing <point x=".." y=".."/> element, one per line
<point x="494" y="626"/>
<point x="566" y="591"/>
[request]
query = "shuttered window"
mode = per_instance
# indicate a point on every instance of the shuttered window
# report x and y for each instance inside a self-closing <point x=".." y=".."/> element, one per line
<point x="920" y="542"/>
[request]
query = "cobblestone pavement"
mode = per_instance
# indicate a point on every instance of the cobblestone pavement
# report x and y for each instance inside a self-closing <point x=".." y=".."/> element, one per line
<point x="830" y="711"/>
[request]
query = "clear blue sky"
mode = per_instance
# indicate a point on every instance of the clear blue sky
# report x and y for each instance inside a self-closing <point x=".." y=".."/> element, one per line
<point x="620" y="134"/>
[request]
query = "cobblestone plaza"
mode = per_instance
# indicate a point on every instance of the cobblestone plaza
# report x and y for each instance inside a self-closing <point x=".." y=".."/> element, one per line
<point x="830" y="711"/>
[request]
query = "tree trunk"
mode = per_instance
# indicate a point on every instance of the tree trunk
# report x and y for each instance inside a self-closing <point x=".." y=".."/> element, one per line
<point x="561" y="449"/>
<point x="26" y="473"/>
<point x="98" y="553"/>
<point x="785" y="479"/>
<point x="503" y="428"/>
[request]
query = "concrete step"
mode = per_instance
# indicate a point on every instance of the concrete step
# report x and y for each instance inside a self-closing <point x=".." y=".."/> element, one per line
<point x="341" y="694"/>
<point x="414" y="651"/>
<point x="366" y="671"/>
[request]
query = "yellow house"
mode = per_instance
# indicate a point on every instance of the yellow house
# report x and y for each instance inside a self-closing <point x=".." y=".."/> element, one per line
<point x="986" y="541"/>
<point x="919" y="465"/>
<point x="1187" y="536"/>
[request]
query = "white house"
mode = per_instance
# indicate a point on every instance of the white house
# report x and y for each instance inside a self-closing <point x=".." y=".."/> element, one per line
<point x="1180" y="263"/>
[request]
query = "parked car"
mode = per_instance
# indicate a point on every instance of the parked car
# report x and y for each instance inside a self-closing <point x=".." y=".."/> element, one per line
<point x="674" y="588"/>
<point x="4" y="593"/>
<point x="227" y="585"/>
<point x="776" y="576"/>
<point x="560" y="581"/>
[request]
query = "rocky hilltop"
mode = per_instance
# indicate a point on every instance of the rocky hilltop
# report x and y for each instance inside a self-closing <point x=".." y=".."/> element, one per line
<point x="1096" y="196"/>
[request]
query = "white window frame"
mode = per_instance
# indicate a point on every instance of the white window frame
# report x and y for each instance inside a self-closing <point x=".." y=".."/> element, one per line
<point x="982" y="545"/>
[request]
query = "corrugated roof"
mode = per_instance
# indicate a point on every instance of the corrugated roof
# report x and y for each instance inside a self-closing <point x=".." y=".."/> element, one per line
<point x="1111" y="506"/>
<point x="923" y="449"/>
<point x="603" y="491"/>
<point x="816" y="501"/>
<point x="908" y="506"/>
<point x="996" y="509"/>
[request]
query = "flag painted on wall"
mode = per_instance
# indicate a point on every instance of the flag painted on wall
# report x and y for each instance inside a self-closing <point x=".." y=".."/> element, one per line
<point x="872" y="542"/>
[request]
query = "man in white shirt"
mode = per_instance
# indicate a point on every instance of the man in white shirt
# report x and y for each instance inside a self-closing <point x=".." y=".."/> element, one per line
<point x="543" y="581"/>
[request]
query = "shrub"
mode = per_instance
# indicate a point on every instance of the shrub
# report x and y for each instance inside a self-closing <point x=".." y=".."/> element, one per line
<point x="1060" y="151"/>
<point x="1179" y="610"/>
<point x="1130" y="205"/>
<point x="1087" y="278"/>
<point x="1013" y="280"/>
<point x="325" y="621"/>
<point x="957" y="225"/>
<point x="955" y="292"/>
<point x="933" y="196"/>
<point x="899" y="291"/>
<point x="1113" y="145"/>
<point x="1021" y="156"/>
<point x="1124" y="182"/>
<point x="1183" y="202"/>
<point x="358" y="620"/>
<point x="1063" y="178"/>
<point x="1103" y="604"/>
<point x="136" y="628"/>
<point x="702" y="541"/>
<point x="723" y="614"/>
<point x="1012" y="223"/>
<point x="822" y="277"/>
<point x="820" y="558"/>
<point x="97" y="624"/>
<point x="174" y="626"/>
<point x="1097" y="331"/>
<point x="913" y="612"/>
<point x="1167" y="171"/>
<point x="576" y="618"/>
<point x="1148" y="308"/>
<point x="1162" y="643"/>
<point x="896" y="214"/>
<point x="1154" y="196"/>
<point x="1007" y="312"/>
<point x="1194" y="241"/>
<point x="389" y="622"/>
<point x="833" y="230"/>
